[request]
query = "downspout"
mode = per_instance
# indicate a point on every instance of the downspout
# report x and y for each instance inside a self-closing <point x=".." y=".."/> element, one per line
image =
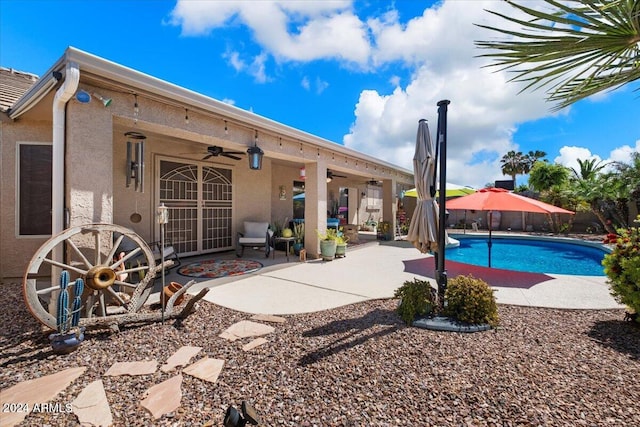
<point x="63" y="95"/>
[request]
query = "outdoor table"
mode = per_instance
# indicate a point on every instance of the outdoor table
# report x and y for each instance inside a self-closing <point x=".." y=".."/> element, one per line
<point x="287" y="240"/>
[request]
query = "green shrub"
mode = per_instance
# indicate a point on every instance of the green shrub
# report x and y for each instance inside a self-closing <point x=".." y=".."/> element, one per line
<point x="471" y="300"/>
<point x="622" y="267"/>
<point x="417" y="299"/>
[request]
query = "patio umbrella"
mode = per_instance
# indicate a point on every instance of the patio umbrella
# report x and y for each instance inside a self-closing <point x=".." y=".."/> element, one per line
<point x="423" y="229"/>
<point x="499" y="199"/>
<point x="453" y="190"/>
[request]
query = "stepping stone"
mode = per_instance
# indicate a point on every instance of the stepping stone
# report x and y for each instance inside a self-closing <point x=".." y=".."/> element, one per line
<point x="164" y="397"/>
<point x="268" y="318"/>
<point x="244" y="329"/>
<point x="180" y="358"/>
<point x="91" y="406"/>
<point x="38" y="390"/>
<point x="206" y="369"/>
<point x="145" y="367"/>
<point x="253" y="344"/>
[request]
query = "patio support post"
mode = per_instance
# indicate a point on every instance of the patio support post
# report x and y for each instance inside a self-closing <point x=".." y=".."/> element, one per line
<point x="389" y="207"/>
<point x="441" y="272"/>
<point x="315" y="206"/>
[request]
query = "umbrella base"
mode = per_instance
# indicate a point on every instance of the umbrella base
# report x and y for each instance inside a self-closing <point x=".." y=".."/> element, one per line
<point x="440" y="323"/>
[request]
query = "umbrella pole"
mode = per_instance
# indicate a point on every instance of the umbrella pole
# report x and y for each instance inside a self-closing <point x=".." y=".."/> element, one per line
<point x="489" y="242"/>
<point x="441" y="273"/>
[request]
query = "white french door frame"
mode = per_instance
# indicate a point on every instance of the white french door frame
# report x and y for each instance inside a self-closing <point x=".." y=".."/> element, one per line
<point x="211" y="217"/>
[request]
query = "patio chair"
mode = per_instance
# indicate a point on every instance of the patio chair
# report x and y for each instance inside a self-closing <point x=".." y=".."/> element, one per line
<point x="169" y="252"/>
<point x="255" y="235"/>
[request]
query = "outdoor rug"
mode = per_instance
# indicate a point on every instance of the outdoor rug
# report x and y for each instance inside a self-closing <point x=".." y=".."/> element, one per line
<point x="212" y="269"/>
<point x="493" y="276"/>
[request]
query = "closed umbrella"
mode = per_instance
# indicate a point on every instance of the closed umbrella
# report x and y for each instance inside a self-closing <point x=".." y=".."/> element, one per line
<point x="499" y="199"/>
<point x="423" y="229"/>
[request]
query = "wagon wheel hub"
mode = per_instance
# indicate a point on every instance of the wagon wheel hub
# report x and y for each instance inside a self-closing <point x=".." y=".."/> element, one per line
<point x="100" y="277"/>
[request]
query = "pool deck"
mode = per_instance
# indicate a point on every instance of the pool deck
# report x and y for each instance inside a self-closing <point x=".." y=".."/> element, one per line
<point x="375" y="270"/>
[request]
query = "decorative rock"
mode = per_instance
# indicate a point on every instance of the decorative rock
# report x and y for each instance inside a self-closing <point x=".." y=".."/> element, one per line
<point x="91" y="406"/>
<point x="253" y="344"/>
<point x="268" y="318"/>
<point x="244" y="329"/>
<point x="180" y="358"/>
<point x="164" y="397"/>
<point x="206" y="369"/>
<point x="145" y="367"/>
<point x="36" y="391"/>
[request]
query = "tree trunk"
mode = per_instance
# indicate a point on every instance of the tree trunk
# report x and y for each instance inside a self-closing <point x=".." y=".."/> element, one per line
<point x="598" y="213"/>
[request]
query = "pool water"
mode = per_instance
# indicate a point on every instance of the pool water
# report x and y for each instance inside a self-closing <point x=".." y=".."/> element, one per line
<point x="535" y="256"/>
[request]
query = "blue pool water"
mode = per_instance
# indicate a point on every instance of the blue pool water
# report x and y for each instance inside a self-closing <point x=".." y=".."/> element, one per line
<point x="535" y="256"/>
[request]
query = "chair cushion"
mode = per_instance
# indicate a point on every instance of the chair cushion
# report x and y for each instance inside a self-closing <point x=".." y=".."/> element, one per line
<point x="252" y="240"/>
<point x="256" y="229"/>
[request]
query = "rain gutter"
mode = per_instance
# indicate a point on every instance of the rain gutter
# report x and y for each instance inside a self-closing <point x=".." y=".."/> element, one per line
<point x="62" y="96"/>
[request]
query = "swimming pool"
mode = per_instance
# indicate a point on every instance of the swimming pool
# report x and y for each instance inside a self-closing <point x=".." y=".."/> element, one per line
<point x="530" y="254"/>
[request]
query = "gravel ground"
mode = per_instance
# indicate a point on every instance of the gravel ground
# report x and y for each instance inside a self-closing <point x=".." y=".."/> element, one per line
<point x="358" y="366"/>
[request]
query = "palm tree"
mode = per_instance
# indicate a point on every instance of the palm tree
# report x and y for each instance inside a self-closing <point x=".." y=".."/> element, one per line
<point x="532" y="157"/>
<point x="513" y="164"/>
<point x="574" y="51"/>
<point x="589" y="168"/>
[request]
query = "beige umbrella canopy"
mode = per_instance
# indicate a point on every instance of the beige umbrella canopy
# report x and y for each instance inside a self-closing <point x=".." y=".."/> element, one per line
<point x="423" y="230"/>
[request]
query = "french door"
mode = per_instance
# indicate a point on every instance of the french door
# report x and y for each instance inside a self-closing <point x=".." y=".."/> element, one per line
<point x="200" y="202"/>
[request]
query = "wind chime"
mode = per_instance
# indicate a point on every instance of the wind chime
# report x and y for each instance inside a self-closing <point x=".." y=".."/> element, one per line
<point x="135" y="160"/>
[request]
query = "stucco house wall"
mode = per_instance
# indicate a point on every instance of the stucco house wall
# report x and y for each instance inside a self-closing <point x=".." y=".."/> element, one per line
<point x="179" y="125"/>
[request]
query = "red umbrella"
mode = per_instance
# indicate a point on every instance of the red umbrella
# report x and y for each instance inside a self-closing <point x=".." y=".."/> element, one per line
<point x="499" y="199"/>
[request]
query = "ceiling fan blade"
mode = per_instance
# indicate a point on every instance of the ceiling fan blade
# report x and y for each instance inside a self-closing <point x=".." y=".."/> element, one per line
<point x="231" y="156"/>
<point x="207" y="156"/>
<point x="235" y="152"/>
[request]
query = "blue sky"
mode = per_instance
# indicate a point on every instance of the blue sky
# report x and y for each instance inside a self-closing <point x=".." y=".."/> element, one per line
<point x="358" y="73"/>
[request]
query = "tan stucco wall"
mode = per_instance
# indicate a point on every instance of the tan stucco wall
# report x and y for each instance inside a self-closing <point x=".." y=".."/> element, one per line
<point x="15" y="251"/>
<point x="95" y="188"/>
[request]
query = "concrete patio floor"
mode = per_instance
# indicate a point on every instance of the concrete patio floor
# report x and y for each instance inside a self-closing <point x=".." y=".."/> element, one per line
<point x="371" y="270"/>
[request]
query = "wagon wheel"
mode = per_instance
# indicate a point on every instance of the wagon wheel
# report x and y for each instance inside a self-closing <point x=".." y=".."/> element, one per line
<point x="112" y="261"/>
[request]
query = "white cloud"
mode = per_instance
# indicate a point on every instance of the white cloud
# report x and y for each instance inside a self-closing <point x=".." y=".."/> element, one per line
<point x="257" y="68"/>
<point x="569" y="155"/>
<point x="321" y="85"/>
<point x="484" y="108"/>
<point x="305" y="83"/>
<point x="436" y="48"/>
<point x="233" y="58"/>
<point x="288" y="30"/>
<point x="623" y="154"/>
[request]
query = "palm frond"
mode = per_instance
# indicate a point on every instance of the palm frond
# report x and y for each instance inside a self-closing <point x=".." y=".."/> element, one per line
<point x="580" y="48"/>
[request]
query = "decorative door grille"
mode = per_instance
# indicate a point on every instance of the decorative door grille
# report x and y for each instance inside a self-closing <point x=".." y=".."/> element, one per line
<point x="199" y="199"/>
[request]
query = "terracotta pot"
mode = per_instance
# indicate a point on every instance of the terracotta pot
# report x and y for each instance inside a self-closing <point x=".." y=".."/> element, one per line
<point x="171" y="289"/>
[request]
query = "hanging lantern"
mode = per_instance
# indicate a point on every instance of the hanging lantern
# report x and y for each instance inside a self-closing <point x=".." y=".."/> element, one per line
<point x="255" y="157"/>
<point x="303" y="174"/>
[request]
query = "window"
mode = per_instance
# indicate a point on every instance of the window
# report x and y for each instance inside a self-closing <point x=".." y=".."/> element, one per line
<point x="34" y="189"/>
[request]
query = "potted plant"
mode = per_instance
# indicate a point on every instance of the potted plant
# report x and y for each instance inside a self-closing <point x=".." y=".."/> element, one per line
<point x="328" y="243"/>
<point x="341" y="244"/>
<point x="298" y="233"/>
<point x="69" y="335"/>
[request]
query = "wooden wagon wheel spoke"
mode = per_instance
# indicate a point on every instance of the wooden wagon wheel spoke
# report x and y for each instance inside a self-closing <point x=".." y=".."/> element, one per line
<point x="115" y="247"/>
<point x="79" y="253"/>
<point x="64" y="266"/>
<point x="111" y="286"/>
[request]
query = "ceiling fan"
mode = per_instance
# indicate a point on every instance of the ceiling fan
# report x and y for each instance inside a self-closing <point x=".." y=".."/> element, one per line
<point x="215" y="151"/>
<point x="331" y="175"/>
<point x="374" y="182"/>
